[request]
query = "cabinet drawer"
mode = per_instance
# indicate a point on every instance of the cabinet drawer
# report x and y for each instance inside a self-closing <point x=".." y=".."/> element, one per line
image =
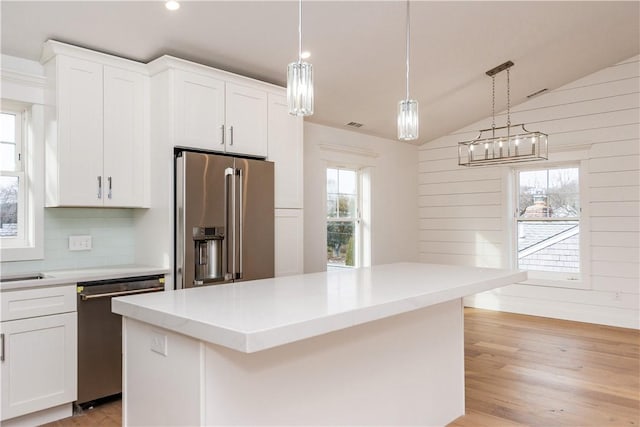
<point x="22" y="304"/>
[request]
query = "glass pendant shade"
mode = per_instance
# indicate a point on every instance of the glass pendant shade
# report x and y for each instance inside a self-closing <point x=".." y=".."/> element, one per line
<point x="300" y="88"/>
<point x="408" y="120"/>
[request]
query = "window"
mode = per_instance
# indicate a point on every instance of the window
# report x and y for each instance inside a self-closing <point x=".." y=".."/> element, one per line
<point x="21" y="181"/>
<point x="548" y="222"/>
<point x="12" y="179"/>
<point x="343" y="218"/>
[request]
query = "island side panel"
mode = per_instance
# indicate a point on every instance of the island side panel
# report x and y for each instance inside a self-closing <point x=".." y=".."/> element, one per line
<point x="403" y="370"/>
<point x="163" y="377"/>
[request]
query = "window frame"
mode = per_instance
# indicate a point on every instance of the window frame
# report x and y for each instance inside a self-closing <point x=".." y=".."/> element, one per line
<point x="357" y="220"/>
<point x="30" y="244"/>
<point x="580" y="280"/>
<point x="20" y="172"/>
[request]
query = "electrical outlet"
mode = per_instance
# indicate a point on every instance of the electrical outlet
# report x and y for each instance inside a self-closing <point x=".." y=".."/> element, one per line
<point x="159" y="343"/>
<point x="79" y="243"/>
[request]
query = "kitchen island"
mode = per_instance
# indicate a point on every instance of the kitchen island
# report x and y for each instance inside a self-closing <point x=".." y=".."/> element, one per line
<point x="376" y="345"/>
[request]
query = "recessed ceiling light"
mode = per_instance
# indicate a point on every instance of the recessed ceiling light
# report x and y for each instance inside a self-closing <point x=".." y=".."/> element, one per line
<point x="306" y="54"/>
<point x="172" y="5"/>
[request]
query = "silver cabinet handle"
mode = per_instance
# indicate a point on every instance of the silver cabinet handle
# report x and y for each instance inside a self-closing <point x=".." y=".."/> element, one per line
<point x="240" y="216"/>
<point x="109" y="181"/>
<point x="221" y="134"/>
<point x="85" y="297"/>
<point x="228" y="173"/>
<point x="231" y="134"/>
<point x="2" y="344"/>
<point x="99" y="187"/>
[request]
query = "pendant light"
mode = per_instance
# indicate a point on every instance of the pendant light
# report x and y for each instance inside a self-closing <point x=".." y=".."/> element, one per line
<point x="506" y="144"/>
<point x="408" y="108"/>
<point x="300" y="79"/>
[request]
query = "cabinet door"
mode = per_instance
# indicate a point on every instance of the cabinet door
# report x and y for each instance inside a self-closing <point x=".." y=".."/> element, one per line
<point x="198" y="111"/>
<point x="285" y="150"/>
<point x="125" y="138"/>
<point x="289" y="251"/>
<point x="246" y="115"/>
<point x="39" y="367"/>
<point x="79" y="151"/>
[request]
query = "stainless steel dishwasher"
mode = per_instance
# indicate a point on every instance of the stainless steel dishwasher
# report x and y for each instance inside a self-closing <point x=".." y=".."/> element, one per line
<point x="100" y="334"/>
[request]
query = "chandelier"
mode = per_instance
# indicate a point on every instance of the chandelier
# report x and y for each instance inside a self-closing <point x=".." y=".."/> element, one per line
<point x="504" y="144"/>
<point x="408" y="108"/>
<point x="300" y="79"/>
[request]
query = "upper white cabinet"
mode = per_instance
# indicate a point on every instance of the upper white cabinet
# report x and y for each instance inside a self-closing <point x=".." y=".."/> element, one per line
<point x="97" y="130"/>
<point x="198" y="110"/>
<point x="246" y="120"/>
<point x="217" y="115"/>
<point x="285" y="150"/>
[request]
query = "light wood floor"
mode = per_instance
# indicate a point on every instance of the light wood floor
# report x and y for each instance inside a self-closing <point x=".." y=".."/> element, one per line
<point x="524" y="370"/>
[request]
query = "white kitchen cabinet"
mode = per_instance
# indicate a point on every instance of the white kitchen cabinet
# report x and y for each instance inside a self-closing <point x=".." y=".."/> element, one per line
<point x="285" y="150"/>
<point x="289" y="251"/>
<point x="97" y="132"/>
<point x="126" y="148"/>
<point x="199" y="111"/>
<point x="38" y="363"/>
<point x="215" y="115"/>
<point x="246" y="113"/>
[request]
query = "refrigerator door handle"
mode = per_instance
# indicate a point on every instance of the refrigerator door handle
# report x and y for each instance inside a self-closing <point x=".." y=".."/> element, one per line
<point x="228" y="172"/>
<point x="241" y="220"/>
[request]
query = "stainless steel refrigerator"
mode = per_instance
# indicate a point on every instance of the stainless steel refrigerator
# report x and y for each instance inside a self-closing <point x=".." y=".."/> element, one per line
<point x="224" y="219"/>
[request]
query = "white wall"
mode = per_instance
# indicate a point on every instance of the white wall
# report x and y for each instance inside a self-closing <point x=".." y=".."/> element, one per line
<point x="465" y="215"/>
<point x="394" y="209"/>
<point x="112" y="232"/>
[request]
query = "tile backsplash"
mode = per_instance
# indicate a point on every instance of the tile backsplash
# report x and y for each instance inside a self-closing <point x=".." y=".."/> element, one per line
<point x="111" y="231"/>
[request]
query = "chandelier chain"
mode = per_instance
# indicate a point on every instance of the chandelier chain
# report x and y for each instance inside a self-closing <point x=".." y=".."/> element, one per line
<point x="300" y="31"/>
<point x="508" y="100"/>
<point x="493" y="102"/>
<point x="408" y="44"/>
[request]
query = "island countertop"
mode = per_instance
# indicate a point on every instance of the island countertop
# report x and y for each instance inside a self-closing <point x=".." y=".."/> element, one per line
<point x="261" y="314"/>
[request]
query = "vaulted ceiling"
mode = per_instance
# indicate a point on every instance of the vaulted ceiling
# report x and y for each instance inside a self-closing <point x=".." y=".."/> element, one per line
<point x="357" y="47"/>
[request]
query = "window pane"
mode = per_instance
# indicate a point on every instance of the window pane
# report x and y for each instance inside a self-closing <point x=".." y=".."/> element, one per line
<point x="332" y="205"/>
<point x="332" y="180"/>
<point x="9" y="186"/>
<point x="346" y="181"/>
<point x="563" y="192"/>
<point x="549" y="193"/>
<point x="7" y="127"/>
<point x="7" y="156"/>
<point x="341" y="243"/>
<point x="549" y="246"/>
<point x="347" y="206"/>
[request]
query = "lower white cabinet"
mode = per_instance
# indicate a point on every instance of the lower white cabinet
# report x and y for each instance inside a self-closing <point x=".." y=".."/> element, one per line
<point x="289" y="256"/>
<point x="38" y="366"/>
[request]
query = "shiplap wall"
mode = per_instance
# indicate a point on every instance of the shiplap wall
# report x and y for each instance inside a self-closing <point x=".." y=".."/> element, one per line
<point x="465" y="213"/>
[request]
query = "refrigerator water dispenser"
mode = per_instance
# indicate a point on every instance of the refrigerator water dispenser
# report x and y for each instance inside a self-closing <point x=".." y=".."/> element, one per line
<point x="208" y="254"/>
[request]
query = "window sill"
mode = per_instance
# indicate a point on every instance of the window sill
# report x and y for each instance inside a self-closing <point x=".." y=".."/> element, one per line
<point x="25" y="253"/>
<point x="537" y="278"/>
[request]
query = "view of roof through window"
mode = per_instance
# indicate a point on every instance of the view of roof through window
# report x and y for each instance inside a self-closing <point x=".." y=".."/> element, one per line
<point x="549" y="220"/>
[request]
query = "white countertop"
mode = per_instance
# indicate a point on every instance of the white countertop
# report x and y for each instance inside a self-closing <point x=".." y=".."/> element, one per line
<point x="61" y="277"/>
<point x="262" y="314"/>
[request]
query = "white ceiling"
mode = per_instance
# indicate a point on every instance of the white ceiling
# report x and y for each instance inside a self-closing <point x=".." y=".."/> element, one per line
<point x="357" y="47"/>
